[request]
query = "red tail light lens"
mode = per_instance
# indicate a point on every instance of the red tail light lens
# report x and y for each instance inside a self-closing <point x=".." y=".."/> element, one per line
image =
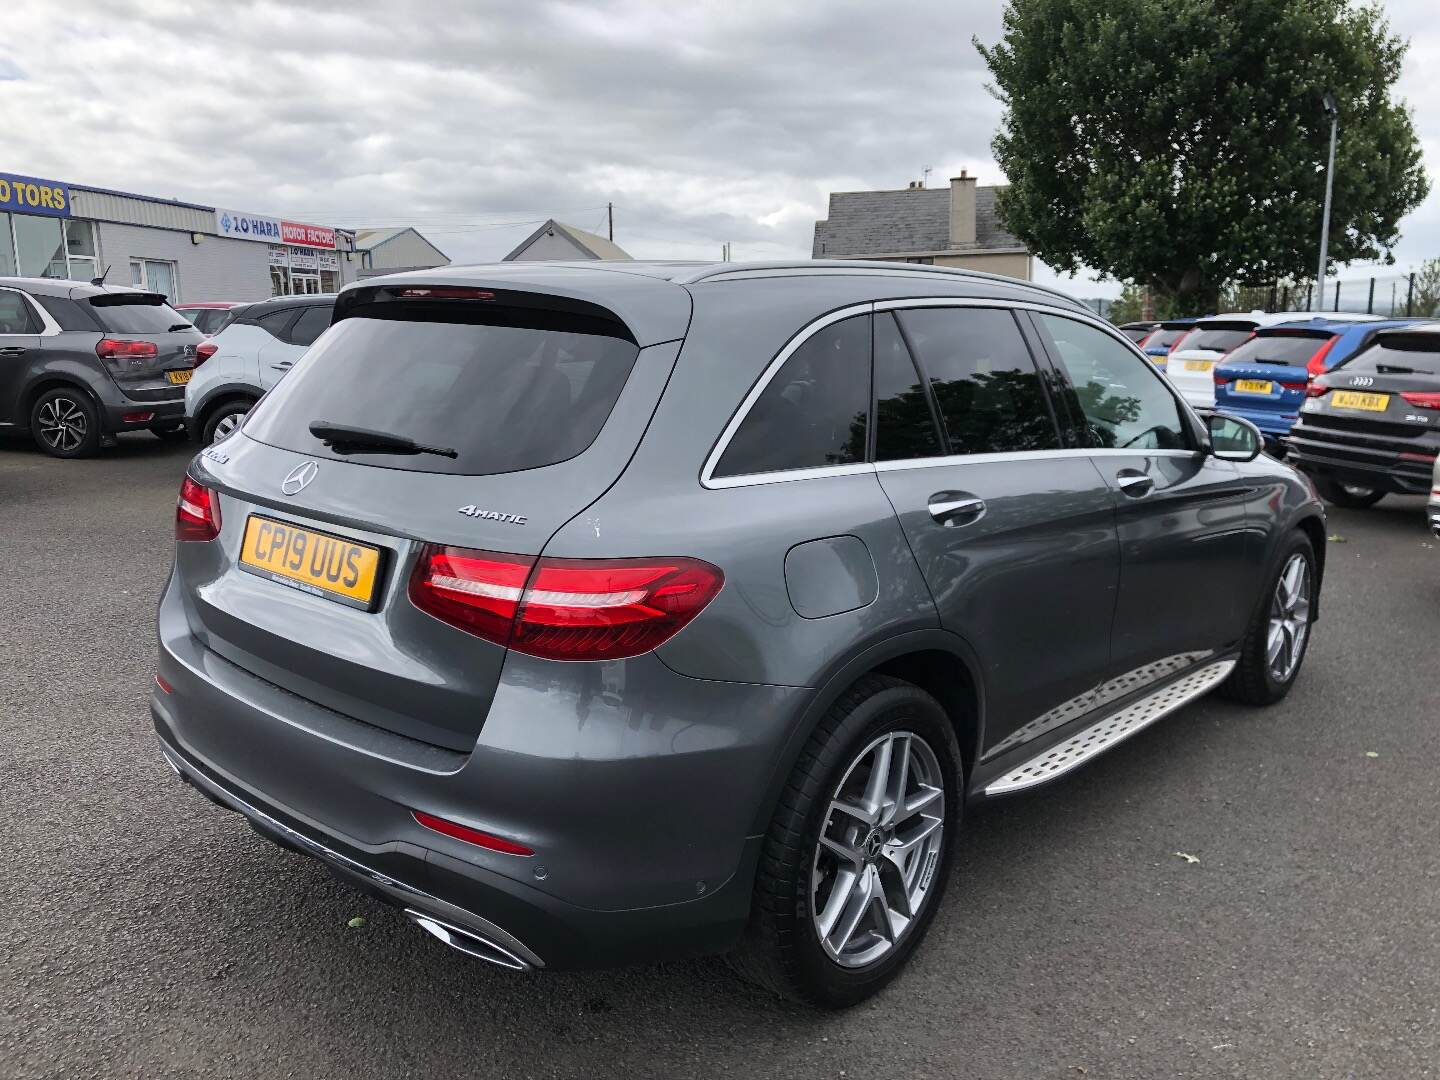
<point x="1294" y="386"/>
<point x="563" y="609"/>
<point x="110" y="348"/>
<point x="1180" y="341"/>
<point x="1422" y="399"/>
<point x="1221" y="377"/>
<point x="469" y="835"/>
<point x="1317" y="367"/>
<point x="1146" y="339"/>
<point x="1313" y="390"/>
<point x="204" y="351"/>
<point x="445" y="292"/>
<point x="197" y="514"/>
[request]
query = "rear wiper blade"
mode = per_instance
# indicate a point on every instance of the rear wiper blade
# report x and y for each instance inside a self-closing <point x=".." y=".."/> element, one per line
<point x="1400" y="369"/>
<point x="180" y="326"/>
<point x="350" y="440"/>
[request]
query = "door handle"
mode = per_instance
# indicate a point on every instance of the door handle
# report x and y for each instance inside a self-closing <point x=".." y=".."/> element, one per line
<point x="953" y="508"/>
<point x="283" y="365"/>
<point x="13" y="350"/>
<point x="1135" y="483"/>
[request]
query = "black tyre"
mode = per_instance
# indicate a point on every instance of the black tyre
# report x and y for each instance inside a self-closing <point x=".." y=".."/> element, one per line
<point x="65" y="423"/>
<point x="1350" y="496"/>
<point x="1279" y="633"/>
<point x="171" y="433"/>
<point x="855" y="862"/>
<point x="224" y="419"/>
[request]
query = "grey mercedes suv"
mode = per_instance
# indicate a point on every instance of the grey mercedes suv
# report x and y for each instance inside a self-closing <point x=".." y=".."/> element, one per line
<point x="598" y="614"/>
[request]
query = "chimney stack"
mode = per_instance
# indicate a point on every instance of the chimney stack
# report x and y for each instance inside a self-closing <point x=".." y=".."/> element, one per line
<point x="962" y="210"/>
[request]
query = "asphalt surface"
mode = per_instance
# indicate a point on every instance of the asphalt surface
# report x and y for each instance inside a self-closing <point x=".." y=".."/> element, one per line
<point x="144" y="932"/>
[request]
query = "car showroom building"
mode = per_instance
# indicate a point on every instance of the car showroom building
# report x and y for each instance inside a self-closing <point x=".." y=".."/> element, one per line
<point x="188" y="251"/>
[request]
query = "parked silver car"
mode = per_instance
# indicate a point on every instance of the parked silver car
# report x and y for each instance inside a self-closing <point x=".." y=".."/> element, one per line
<point x="594" y="614"/>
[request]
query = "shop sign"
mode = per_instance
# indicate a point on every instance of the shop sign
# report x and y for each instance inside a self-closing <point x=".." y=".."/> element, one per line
<point x="304" y="260"/>
<point x="279" y="256"/>
<point x="238" y="226"/>
<point x="329" y="260"/>
<point x="27" y="195"/>
<point x="315" y="236"/>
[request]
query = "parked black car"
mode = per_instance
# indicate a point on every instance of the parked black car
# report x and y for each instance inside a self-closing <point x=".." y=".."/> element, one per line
<point x="80" y="362"/>
<point x="1371" y="426"/>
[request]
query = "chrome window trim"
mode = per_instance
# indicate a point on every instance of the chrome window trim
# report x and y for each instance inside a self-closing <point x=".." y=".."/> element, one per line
<point x="1023" y="455"/>
<point x="707" y="474"/>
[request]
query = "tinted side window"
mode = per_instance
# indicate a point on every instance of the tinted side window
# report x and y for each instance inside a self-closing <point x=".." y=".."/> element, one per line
<point x="904" y="423"/>
<point x="986" y="385"/>
<point x="813" y="413"/>
<point x="311" y="324"/>
<point x="275" y="322"/>
<point x="1121" y="396"/>
<point x="15" y="314"/>
<point x="67" y="313"/>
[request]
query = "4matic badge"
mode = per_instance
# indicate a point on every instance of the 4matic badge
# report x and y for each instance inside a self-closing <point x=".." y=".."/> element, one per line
<point x="493" y="515"/>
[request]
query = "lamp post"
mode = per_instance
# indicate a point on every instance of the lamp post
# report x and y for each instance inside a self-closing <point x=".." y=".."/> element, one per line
<point x="1332" y="111"/>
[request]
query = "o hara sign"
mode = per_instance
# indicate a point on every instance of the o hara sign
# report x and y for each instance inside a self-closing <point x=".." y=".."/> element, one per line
<point x="235" y="225"/>
<point x="29" y="195"/>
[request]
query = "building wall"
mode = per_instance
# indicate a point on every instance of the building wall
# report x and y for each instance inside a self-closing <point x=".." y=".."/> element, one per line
<point x="406" y="250"/>
<point x="110" y="206"/>
<point x="1008" y="263"/>
<point x="551" y="246"/>
<point x="213" y="269"/>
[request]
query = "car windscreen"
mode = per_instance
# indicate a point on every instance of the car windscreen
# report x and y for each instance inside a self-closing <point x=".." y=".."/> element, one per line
<point x="1163" y="339"/>
<point x="1294" y="349"/>
<point x="1218" y="338"/>
<point x="135" y="313"/>
<point x="521" y="390"/>
<point x="1399" y="354"/>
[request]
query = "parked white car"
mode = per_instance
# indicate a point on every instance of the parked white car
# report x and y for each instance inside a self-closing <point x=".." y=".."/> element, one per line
<point x="1191" y="366"/>
<point x="247" y="357"/>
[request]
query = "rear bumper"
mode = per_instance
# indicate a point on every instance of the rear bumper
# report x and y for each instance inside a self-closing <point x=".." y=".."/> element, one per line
<point x="1269" y="421"/>
<point x="1371" y="465"/>
<point x="134" y="415"/>
<point x="637" y="796"/>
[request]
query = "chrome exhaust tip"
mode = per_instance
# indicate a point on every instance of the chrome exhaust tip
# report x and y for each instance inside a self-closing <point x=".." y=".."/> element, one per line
<point x="467" y="941"/>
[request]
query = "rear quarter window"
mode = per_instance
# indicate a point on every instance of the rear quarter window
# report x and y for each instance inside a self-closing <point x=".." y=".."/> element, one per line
<point x="524" y="390"/>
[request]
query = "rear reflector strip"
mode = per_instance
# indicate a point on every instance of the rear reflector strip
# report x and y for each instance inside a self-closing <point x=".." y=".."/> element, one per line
<point x="470" y="836"/>
<point x="163" y="685"/>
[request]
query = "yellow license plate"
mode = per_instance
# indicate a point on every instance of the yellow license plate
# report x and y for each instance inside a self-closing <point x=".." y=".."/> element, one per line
<point x="313" y="562"/>
<point x="179" y="378"/>
<point x="1253" y="386"/>
<point x="1198" y="365"/>
<point x="1354" y="399"/>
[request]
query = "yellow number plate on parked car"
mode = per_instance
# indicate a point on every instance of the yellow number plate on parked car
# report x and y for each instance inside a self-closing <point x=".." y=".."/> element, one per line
<point x="1198" y="365"/>
<point x="1352" y="399"/>
<point x="312" y="562"/>
<point x="179" y="378"/>
<point x="1253" y="386"/>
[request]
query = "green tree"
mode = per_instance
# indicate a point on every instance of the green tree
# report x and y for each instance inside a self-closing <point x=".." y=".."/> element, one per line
<point x="1182" y="143"/>
<point x="1426" y="296"/>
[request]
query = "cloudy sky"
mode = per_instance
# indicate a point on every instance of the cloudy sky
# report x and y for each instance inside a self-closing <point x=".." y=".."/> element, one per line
<point x="701" y="122"/>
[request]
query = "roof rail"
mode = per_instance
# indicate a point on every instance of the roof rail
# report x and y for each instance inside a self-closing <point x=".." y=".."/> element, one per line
<point x="820" y="266"/>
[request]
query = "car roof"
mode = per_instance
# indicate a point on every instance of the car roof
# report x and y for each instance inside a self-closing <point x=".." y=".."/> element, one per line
<point x="1430" y="326"/>
<point x="211" y="305"/>
<point x="654" y="299"/>
<point x="1143" y="324"/>
<point x="275" y="303"/>
<point x="75" y="290"/>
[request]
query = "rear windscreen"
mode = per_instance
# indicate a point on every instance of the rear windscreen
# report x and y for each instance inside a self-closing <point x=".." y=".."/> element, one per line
<point x="1293" y="349"/>
<point x="1218" y="339"/>
<point x="530" y="393"/>
<point x="1163" y="339"/>
<point x="1410" y="354"/>
<point x="136" y="314"/>
<point x="1136" y="333"/>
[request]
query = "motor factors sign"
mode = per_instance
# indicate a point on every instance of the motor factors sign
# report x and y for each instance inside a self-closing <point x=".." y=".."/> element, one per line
<point x="236" y="225"/>
<point x="27" y="195"/>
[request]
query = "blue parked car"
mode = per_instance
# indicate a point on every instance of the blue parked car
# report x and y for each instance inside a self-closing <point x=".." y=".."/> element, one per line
<point x="1264" y="379"/>
<point x="1158" y="343"/>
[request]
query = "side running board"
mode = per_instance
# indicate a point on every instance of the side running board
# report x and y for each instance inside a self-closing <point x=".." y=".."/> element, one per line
<point x="1111" y="729"/>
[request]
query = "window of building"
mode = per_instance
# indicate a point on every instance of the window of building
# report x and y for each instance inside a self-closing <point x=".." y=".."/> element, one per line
<point x="904" y="422"/>
<point x="39" y="246"/>
<point x="156" y="275"/>
<point x="80" y="249"/>
<point x="814" y="411"/>
<point x="7" y="248"/>
<point x="1121" y="395"/>
<point x="986" y="386"/>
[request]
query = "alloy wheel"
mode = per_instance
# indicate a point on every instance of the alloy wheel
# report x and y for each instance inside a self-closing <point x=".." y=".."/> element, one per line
<point x="879" y="845"/>
<point x="227" y="424"/>
<point x="1289" y="619"/>
<point x="63" y="425"/>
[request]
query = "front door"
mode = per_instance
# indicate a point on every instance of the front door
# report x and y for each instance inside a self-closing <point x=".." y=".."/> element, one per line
<point x="19" y="345"/>
<point x="1014" y="534"/>
<point x="1180" y="512"/>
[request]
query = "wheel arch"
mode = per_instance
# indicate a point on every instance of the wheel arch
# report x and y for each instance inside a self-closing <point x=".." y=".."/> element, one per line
<point x="222" y="394"/>
<point x="1313" y="526"/>
<point x="930" y="659"/>
<point x="51" y="381"/>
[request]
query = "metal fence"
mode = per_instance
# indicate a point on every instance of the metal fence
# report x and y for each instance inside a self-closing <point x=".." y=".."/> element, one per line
<point x="1394" y="295"/>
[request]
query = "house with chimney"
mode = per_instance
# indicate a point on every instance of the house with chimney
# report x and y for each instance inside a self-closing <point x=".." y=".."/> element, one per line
<point x="950" y="226"/>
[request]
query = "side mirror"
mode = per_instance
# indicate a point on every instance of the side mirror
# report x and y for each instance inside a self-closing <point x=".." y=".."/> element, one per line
<point x="1233" y="439"/>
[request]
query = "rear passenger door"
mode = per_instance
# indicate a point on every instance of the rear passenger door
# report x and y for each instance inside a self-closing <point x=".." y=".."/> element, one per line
<point x="1186" y="575"/>
<point x="1013" y="531"/>
<point x="19" y="344"/>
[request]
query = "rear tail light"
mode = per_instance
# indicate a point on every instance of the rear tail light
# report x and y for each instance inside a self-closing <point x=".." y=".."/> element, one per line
<point x="1317" y="366"/>
<point x="204" y="351"/>
<point x="1181" y="340"/>
<point x="1314" y="390"/>
<point x="1146" y="339"/>
<point x="445" y="292"/>
<point x="136" y="417"/>
<point x="1221" y="377"/>
<point x="1422" y="399"/>
<point x="563" y="609"/>
<point x="469" y="835"/>
<point x="115" y="348"/>
<point x="197" y="514"/>
<point x="1294" y="386"/>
